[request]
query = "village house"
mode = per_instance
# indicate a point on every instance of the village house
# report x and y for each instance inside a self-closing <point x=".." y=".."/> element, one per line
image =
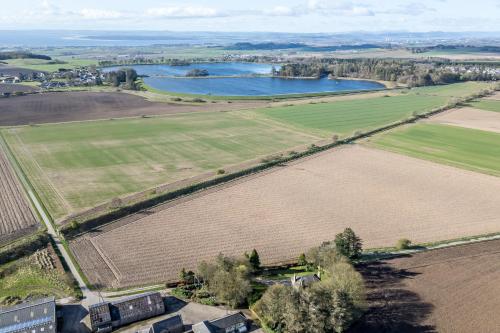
<point x="234" y="323"/>
<point x="9" y="79"/>
<point x="305" y="281"/>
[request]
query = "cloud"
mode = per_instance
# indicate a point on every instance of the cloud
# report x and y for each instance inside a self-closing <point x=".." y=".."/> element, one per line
<point x="183" y="12"/>
<point x="100" y="14"/>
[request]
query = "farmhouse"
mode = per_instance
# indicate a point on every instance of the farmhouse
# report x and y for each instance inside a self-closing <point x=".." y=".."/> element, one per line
<point x="33" y="317"/>
<point x="104" y="317"/>
<point x="170" y="325"/>
<point x="234" y="323"/>
<point x="9" y="79"/>
<point x="305" y="281"/>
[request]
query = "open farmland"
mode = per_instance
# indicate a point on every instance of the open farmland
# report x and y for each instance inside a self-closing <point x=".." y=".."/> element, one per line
<point x="487" y="104"/>
<point x="79" y="165"/>
<point x="16" y="217"/>
<point x="76" y="166"/>
<point x="470" y="118"/>
<point x="462" y="147"/>
<point x="56" y="107"/>
<point x="453" y="289"/>
<point x="285" y="211"/>
<point x="345" y="117"/>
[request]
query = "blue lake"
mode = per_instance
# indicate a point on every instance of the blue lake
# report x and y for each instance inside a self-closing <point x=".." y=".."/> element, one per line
<point x="238" y="80"/>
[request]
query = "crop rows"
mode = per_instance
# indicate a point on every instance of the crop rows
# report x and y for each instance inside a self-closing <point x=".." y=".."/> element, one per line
<point x="16" y="217"/>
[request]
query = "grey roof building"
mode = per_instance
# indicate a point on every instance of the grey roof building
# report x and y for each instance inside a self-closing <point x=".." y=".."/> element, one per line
<point x="305" y="281"/>
<point x="234" y="323"/>
<point x="170" y="325"/>
<point x="104" y="317"/>
<point x="30" y="317"/>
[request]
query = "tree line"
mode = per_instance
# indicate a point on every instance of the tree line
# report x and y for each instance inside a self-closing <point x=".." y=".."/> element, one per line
<point x="410" y="72"/>
<point x="22" y="55"/>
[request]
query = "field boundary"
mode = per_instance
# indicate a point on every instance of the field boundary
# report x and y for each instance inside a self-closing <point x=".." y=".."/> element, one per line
<point x="75" y="229"/>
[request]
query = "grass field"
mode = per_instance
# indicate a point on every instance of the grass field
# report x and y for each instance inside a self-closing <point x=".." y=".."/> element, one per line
<point x="74" y="166"/>
<point x="78" y="165"/>
<point x="345" y="117"/>
<point x="462" y="147"/>
<point x="48" y="65"/>
<point x="487" y="104"/>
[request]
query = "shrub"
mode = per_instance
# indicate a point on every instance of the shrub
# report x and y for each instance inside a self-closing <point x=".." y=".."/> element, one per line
<point x="302" y="261"/>
<point x="221" y="171"/>
<point x="403" y="244"/>
<point x="176" y="99"/>
<point x="74" y="225"/>
<point x="181" y="293"/>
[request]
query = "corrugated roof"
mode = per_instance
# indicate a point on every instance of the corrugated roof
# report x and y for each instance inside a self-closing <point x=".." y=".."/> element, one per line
<point x="27" y="315"/>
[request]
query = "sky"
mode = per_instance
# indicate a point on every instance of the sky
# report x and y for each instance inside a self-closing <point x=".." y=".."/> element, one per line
<point x="307" y="16"/>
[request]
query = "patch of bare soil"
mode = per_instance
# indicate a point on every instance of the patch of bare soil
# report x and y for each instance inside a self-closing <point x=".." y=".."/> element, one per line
<point x="54" y="107"/>
<point x="285" y="211"/>
<point x="470" y="118"/>
<point x="453" y="289"/>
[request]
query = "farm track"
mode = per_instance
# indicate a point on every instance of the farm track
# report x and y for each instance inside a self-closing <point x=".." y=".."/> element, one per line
<point x="284" y="211"/>
<point x="16" y="216"/>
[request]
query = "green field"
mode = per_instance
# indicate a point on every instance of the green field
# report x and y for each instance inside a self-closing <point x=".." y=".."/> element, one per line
<point x="78" y="165"/>
<point x="487" y="104"/>
<point x="345" y="117"/>
<point x="465" y="148"/>
<point x="49" y="65"/>
<point x="75" y="166"/>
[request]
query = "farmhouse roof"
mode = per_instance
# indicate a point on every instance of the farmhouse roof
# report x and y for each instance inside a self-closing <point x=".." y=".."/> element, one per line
<point x="305" y="281"/>
<point x="126" y="311"/>
<point x="30" y="316"/>
<point x="236" y="322"/>
<point x="170" y="325"/>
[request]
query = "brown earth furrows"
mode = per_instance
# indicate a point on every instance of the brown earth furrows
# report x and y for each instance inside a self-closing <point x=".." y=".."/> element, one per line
<point x="453" y="289"/>
<point x="283" y="212"/>
<point x="12" y="88"/>
<point x="96" y="269"/>
<point x="470" y="118"/>
<point x="55" y="107"/>
<point x="16" y="217"/>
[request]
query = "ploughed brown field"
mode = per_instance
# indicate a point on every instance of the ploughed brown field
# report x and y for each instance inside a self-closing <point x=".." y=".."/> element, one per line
<point x="16" y="217"/>
<point x="450" y="290"/>
<point x="285" y="211"/>
<point x="55" y="107"/>
<point x="470" y="118"/>
<point x="13" y="88"/>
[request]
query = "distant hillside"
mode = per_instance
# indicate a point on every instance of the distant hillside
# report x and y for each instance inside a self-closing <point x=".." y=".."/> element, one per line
<point x="266" y="46"/>
<point x="465" y="48"/>
<point x="22" y="55"/>
<point x="301" y="46"/>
